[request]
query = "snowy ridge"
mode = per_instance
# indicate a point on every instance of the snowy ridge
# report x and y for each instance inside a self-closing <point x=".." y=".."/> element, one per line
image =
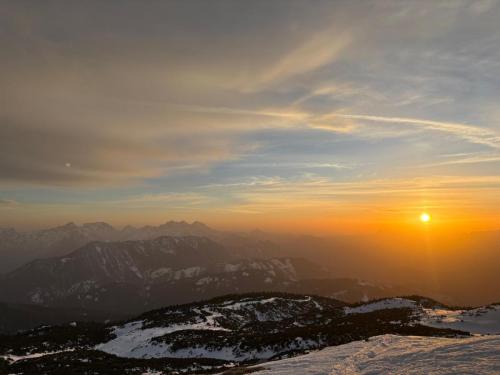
<point x="150" y="337"/>
<point x="390" y="303"/>
<point x="18" y="248"/>
<point x="163" y="333"/>
<point x="390" y="354"/>
<point x="482" y="320"/>
<point x="134" y="340"/>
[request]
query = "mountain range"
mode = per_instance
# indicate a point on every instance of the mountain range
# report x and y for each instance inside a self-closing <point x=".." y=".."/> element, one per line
<point x="18" y="248"/>
<point x="135" y="276"/>
<point x="458" y="269"/>
<point x="95" y="271"/>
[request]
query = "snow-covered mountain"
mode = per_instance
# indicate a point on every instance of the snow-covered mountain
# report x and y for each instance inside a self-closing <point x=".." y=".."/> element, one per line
<point x="18" y="248"/>
<point x="243" y="330"/>
<point x="135" y="276"/>
<point x="170" y="228"/>
<point x="126" y="262"/>
<point x="469" y="277"/>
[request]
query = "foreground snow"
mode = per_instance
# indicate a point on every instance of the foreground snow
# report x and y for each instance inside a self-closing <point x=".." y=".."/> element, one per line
<point x="390" y="354"/>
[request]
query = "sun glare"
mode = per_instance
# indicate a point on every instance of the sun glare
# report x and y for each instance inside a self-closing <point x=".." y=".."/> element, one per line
<point x="425" y="217"/>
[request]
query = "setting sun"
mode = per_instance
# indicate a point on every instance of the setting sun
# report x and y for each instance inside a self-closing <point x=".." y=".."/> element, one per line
<point x="425" y="217"/>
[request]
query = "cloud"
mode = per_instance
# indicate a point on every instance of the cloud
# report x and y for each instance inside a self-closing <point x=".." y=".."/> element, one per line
<point x="317" y="50"/>
<point x="171" y="87"/>
<point x="470" y="133"/>
<point x="166" y="200"/>
<point x="316" y="193"/>
<point x="471" y="159"/>
<point x="108" y="100"/>
<point x="41" y="155"/>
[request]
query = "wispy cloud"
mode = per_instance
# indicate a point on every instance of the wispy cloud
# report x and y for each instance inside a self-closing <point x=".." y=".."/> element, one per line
<point x="471" y="133"/>
<point x="469" y="159"/>
<point x="316" y="50"/>
<point x="317" y="184"/>
<point x="188" y="199"/>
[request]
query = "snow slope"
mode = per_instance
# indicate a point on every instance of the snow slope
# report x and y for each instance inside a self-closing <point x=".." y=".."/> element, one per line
<point x="132" y="340"/>
<point x="390" y="354"/>
<point x="14" y="358"/>
<point x="483" y="320"/>
<point x="388" y="303"/>
<point x="230" y="321"/>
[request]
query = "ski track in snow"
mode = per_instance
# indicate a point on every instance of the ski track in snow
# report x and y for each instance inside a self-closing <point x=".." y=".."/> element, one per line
<point x="390" y="354"/>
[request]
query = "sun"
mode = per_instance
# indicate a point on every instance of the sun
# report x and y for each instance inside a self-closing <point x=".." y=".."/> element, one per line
<point x="425" y="217"/>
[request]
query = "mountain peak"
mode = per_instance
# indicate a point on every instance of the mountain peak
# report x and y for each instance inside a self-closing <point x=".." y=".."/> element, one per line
<point x="173" y="222"/>
<point x="199" y="224"/>
<point x="99" y="225"/>
<point x="70" y="225"/>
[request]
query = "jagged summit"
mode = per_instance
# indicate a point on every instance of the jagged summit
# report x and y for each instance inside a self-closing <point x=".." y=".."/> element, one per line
<point x="17" y="248"/>
<point x="99" y="225"/>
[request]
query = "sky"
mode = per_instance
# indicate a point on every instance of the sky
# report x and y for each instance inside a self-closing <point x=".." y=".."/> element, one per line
<point x="312" y="116"/>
